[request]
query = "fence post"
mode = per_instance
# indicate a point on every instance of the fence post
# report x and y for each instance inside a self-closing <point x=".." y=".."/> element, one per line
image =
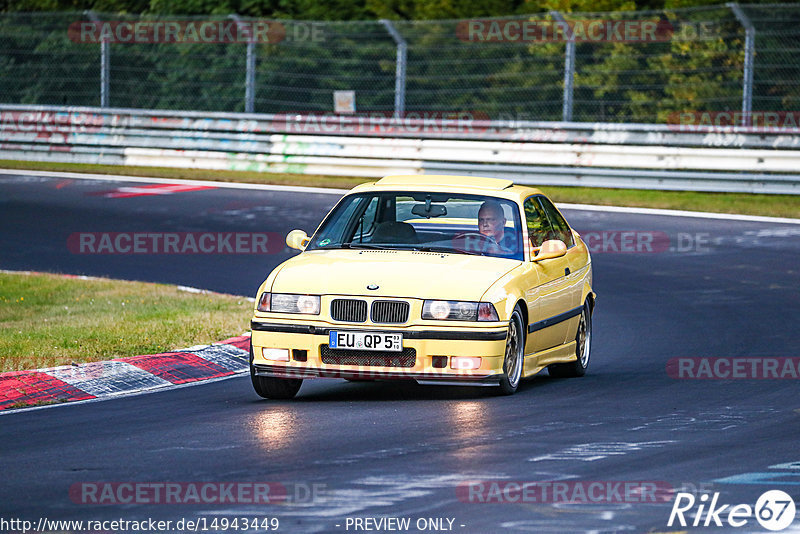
<point x="569" y="67"/>
<point x="105" y="62"/>
<point x="749" y="62"/>
<point x="400" y="70"/>
<point x="250" y="73"/>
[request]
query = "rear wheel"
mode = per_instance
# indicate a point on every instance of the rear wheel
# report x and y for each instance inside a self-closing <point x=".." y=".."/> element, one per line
<point x="514" y="356"/>
<point x="271" y="387"/>
<point x="583" y="346"/>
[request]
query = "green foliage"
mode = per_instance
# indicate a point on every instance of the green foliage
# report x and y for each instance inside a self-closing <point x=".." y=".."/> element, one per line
<point x="697" y="68"/>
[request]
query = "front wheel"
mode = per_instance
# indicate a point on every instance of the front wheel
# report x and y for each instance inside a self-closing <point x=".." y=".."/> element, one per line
<point x="583" y="347"/>
<point x="514" y="356"/>
<point x="270" y="387"/>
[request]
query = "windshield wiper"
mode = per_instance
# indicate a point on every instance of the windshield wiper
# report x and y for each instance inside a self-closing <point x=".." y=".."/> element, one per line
<point x="449" y="250"/>
<point x="364" y="245"/>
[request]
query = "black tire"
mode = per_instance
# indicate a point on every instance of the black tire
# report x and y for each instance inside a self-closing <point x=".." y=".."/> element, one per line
<point x="583" y="349"/>
<point x="514" y="359"/>
<point x="270" y="387"/>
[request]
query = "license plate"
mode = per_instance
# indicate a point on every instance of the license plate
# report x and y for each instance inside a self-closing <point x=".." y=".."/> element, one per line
<point x="366" y="341"/>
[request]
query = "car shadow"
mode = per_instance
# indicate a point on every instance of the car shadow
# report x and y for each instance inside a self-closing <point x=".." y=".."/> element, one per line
<point x="404" y="390"/>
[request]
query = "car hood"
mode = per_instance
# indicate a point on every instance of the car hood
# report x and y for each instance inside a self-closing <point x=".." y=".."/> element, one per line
<point x="409" y="274"/>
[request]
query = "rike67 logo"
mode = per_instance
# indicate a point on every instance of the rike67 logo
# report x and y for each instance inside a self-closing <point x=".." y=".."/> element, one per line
<point x="774" y="510"/>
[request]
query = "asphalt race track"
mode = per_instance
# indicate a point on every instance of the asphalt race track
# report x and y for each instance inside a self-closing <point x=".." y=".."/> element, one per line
<point x="341" y="451"/>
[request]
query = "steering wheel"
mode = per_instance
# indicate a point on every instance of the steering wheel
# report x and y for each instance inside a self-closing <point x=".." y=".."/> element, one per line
<point x="477" y="242"/>
<point x="484" y="238"/>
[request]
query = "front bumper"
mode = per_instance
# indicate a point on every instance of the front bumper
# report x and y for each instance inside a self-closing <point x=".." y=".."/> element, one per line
<point x="282" y="371"/>
<point x="433" y="346"/>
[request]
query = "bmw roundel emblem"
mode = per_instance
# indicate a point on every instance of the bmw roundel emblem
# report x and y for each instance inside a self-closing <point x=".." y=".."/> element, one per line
<point x="373" y="287"/>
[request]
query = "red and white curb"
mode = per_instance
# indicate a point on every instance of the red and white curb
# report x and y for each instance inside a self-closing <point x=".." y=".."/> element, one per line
<point x="124" y="376"/>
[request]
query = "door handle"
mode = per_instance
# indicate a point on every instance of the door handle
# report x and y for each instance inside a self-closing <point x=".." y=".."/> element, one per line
<point x="566" y="271"/>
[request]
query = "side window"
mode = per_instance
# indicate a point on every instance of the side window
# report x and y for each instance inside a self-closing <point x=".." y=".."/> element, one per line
<point x="539" y="229"/>
<point x="562" y="230"/>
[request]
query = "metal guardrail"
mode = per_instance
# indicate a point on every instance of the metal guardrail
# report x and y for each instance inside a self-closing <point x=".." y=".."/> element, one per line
<point x="555" y="153"/>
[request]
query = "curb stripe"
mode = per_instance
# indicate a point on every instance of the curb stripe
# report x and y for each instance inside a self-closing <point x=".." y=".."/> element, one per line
<point x="178" y="367"/>
<point x="31" y="387"/>
<point x="101" y="379"/>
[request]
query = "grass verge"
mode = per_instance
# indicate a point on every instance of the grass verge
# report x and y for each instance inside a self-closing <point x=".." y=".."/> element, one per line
<point x="48" y="320"/>
<point x="743" y="203"/>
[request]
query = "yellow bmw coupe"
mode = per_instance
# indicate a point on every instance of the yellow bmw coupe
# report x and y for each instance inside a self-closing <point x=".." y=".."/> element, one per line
<point x="440" y="279"/>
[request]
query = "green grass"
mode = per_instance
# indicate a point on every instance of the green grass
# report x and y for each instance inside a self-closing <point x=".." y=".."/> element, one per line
<point x="749" y="204"/>
<point x="30" y="404"/>
<point x="47" y="320"/>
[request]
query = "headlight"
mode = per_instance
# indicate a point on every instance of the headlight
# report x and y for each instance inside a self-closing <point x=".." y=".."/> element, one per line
<point x="454" y="310"/>
<point x="288" y="303"/>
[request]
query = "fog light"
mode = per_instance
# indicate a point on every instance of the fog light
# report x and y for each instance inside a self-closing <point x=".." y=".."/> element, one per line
<point x="281" y="355"/>
<point x="463" y="362"/>
<point x="438" y="362"/>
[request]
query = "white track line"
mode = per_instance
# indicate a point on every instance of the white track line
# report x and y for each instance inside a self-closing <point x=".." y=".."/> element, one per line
<point x="122" y="178"/>
<point x="679" y="213"/>
<point x="324" y="190"/>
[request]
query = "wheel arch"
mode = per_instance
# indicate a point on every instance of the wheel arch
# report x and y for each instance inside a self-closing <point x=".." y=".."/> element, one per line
<point x="590" y="298"/>
<point x="524" y="310"/>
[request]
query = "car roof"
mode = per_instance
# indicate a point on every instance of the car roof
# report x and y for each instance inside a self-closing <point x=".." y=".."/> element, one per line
<point x="447" y="183"/>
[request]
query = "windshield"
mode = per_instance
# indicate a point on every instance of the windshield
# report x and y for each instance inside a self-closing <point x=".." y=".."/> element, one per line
<point x="437" y="222"/>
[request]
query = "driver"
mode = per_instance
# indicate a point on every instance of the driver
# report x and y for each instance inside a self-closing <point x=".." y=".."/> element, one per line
<point x="492" y="224"/>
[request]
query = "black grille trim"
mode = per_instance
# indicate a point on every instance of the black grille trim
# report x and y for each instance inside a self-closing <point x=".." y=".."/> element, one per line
<point x="367" y="358"/>
<point x="453" y="335"/>
<point x="390" y="311"/>
<point x="349" y="310"/>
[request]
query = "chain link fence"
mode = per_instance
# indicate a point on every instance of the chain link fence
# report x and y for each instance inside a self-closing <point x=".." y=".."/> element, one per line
<point x="600" y="67"/>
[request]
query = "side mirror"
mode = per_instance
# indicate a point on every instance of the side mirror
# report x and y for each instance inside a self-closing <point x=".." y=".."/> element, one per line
<point x="297" y="239"/>
<point x="552" y="248"/>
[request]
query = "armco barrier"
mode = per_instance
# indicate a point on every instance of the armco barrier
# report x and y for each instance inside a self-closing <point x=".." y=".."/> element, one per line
<point x="596" y="155"/>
